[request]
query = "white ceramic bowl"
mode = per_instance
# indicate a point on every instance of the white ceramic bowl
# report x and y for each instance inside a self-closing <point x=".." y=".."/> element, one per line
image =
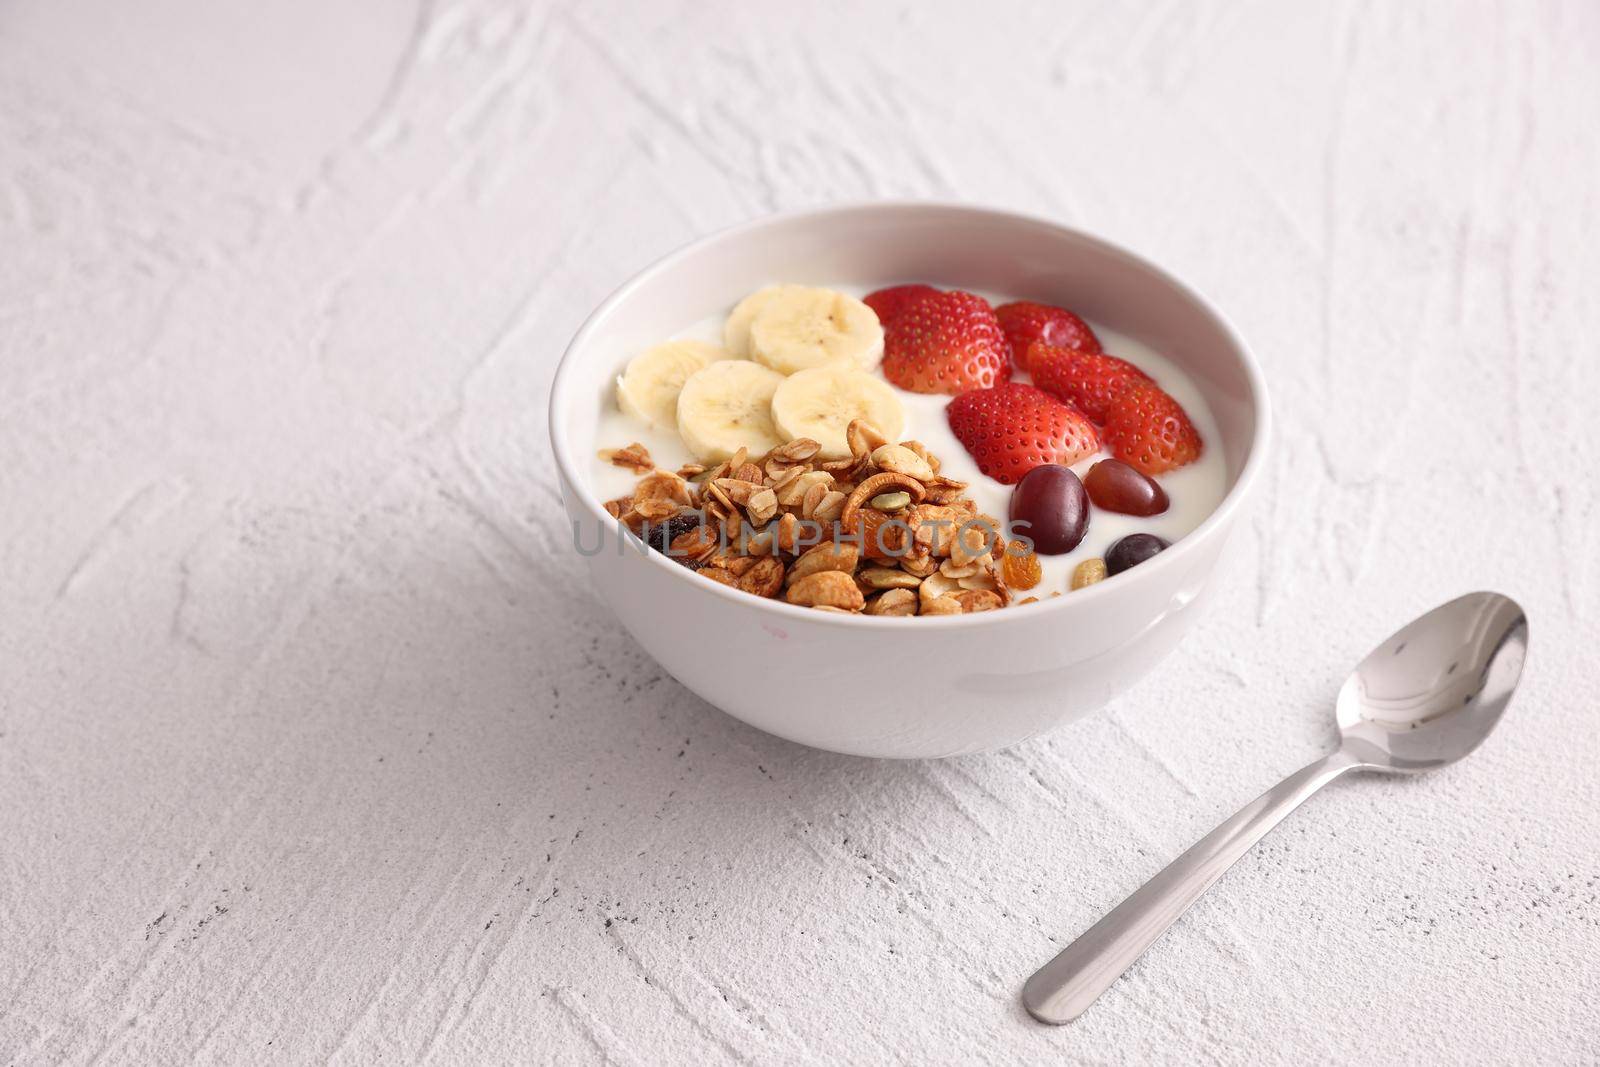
<point x="909" y="687"/>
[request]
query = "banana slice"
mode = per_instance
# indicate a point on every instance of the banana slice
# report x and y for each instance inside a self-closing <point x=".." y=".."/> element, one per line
<point x="820" y="403"/>
<point x="726" y="406"/>
<point x="648" y="388"/>
<point x="736" y="331"/>
<point x="797" y="328"/>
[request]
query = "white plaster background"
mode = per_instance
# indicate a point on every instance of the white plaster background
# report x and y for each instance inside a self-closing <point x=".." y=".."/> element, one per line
<point x="314" y="744"/>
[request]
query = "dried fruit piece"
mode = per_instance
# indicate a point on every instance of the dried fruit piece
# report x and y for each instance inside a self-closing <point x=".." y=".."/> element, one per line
<point x="879" y="536"/>
<point x="830" y="588"/>
<point x="1088" y="572"/>
<point x="693" y="546"/>
<point x="661" y="535"/>
<point x="1020" y="566"/>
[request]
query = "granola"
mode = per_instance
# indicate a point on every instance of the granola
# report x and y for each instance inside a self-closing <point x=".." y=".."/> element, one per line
<point x="879" y="532"/>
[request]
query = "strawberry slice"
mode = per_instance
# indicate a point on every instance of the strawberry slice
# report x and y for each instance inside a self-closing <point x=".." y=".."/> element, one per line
<point x="1090" y="380"/>
<point x="1149" y="430"/>
<point x="888" y="303"/>
<point x="1025" y="322"/>
<point x="945" y="343"/>
<point x="1014" y="428"/>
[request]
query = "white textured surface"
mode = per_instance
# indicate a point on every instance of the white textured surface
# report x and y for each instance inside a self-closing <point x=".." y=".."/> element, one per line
<point x="314" y="744"/>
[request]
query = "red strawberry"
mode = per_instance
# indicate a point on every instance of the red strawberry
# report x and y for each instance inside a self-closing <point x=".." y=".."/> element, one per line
<point x="1025" y="322"/>
<point x="1149" y="430"/>
<point x="1014" y="428"/>
<point x="945" y="343"/>
<point x="888" y="303"/>
<point x="1091" y="380"/>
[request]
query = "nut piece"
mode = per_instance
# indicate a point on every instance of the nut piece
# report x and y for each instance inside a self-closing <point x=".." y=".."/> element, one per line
<point x="794" y="493"/>
<point x="899" y="459"/>
<point x="1088" y="572"/>
<point x="873" y="486"/>
<point x="763" y="579"/>
<point x="922" y="450"/>
<point x="933" y="587"/>
<point x="890" y="501"/>
<point x="971" y="541"/>
<point x="655" y="510"/>
<point x="934" y="526"/>
<point x="635" y="457"/>
<point x="829" y="508"/>
<point x="875" y="578"/>
<point x="863" y="438"/>
<point x="662" y="485"/>
<point x="919" y="562"/>
<point x="894" y="602"/>
<point x="797" y="451"/>
<point x="974" y="600"/>
<point x="942" y="605"/>
<point x="693" y="546"/>
<point x="827" y="589"/>
<point x="828" y="556"/>
<point x="762" y="505"/>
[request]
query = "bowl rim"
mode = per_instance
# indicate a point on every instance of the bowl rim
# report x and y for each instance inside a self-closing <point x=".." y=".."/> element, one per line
<point x="1152" y="570"/>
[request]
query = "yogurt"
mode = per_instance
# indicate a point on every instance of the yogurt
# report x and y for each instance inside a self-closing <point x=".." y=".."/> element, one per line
<point x="1194" y="490"/>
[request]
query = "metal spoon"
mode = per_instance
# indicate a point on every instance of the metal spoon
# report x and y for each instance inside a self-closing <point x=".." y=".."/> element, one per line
<point x="1425" y="697"/>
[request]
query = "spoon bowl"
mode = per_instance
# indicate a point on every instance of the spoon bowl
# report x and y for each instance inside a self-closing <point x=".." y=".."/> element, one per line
<point x="1434" y="690"/>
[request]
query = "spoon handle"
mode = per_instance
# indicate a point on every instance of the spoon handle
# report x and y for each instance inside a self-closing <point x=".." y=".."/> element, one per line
<point x="1060" y="990"/>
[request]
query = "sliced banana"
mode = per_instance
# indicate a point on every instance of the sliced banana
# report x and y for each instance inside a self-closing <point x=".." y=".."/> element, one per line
<point x="736" y="331"/>
<point x="821" y="402"/>
<point x="797" y="328"/>
<point x="726" y="406"/>
<point x="648" y="388"/>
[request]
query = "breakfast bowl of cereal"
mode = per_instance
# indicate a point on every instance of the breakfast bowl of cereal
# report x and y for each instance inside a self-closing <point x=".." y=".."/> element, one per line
<point x="906" y="480"/>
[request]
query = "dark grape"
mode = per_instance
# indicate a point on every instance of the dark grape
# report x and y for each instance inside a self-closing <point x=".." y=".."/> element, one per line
<point x="1050" y="508"/>
<point x="1117" y="486"/>
<point x="1131" y="551"/>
